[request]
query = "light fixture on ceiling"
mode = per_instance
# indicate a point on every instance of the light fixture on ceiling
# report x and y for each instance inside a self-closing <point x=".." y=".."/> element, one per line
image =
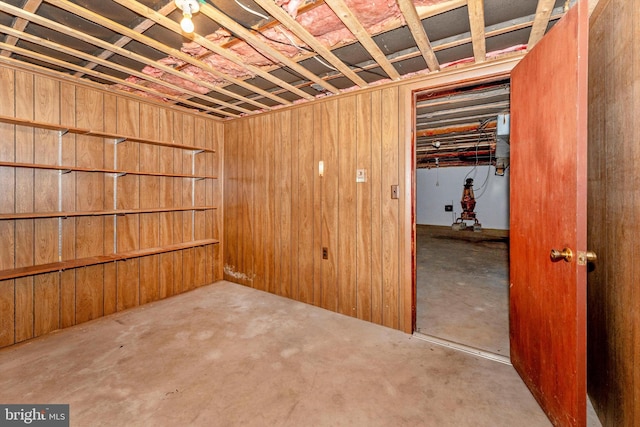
<point x="188" y="8"/>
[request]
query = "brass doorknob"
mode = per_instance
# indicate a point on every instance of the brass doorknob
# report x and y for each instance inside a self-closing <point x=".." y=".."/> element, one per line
<point x="565" y="254"/>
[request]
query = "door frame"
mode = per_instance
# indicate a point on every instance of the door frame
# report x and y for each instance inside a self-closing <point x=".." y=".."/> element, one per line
<point x="481" y="73"/>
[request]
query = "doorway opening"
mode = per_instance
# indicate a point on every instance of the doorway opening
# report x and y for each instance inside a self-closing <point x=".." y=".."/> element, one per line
<point x="462" y="217"/>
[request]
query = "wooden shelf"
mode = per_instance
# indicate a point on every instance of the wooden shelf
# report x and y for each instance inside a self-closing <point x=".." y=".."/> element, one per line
<point x="102" y="259"/>
<point x="113" y="171"/>
<point x="99" y="134"/>
<point x="34" y="215"/>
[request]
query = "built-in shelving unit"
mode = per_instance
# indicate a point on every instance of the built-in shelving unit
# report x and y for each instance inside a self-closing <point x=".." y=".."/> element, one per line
<point x="115" y="174"/>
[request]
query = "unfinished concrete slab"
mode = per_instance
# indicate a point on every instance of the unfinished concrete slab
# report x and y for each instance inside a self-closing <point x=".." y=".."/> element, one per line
<point x="225" y="355"/>
<point x="462" y="285"/>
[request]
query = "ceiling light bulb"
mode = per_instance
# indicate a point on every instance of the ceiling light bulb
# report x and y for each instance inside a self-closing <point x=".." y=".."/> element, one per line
<point x="187" y="24"/>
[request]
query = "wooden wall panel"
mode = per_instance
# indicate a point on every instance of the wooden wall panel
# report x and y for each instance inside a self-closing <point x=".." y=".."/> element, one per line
<point x="110" y="124"/>
<point x="250" y="172"/>
<point x="68" y="204"/>
<point x="613" y="209"/>
<point x="90" y="196"/>
<point x="128" y="197"/>
<point x="307" y="171"/>
<point x="363" y="209"/>
<point x="347" y="221"/>
<point x="295" y="205"/>
<point x="390" y="209"/>
<point x="283" y="159"/>
<point x="32" y="305"/>
<point x="149" y="198"/>
<point x="286" y="213"/>
<point x="330" y="188"/>
<point x="7" y="204"/>
<point x="270" y="237"/>
<point x="24" y="228"/>
<point x="378" y="193"/>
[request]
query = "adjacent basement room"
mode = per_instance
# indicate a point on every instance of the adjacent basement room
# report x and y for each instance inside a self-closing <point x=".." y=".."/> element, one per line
<point x="319" y="212"/>
<point x="462" y="218"/>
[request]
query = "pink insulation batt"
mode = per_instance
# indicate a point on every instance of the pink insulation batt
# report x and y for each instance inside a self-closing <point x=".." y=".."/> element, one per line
<point x="321" y="21"/>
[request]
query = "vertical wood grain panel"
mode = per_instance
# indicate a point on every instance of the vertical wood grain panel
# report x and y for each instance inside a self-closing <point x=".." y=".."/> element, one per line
<point x="283" y="157"/>
<point x="166" y="219"/>
<point x="252" y="204"/>
<point x="231" y="199"/>
<point x="7" y="204"/>
<point x="271" y="229"/>
<point x="377" y="193"/>
<point x="24" y="229"/>
<point x="363" y="202"/>
<point x="218" y="214"/>
<point x="318" y="204"/>
<point x="149" y="198"/>
<point x="46" y="286"/>
<point x="128" y="197"/>
<point x="295" y="206"/>
<point x="110" y="123"/>
<point x="178" y="217"/>
<point x="613" y="207"/>
<point x="330" y="204"/>
<point x="188" y="135"/>
<point x="68" y="203"/>
<point x="307" y="171"/>
<point x="7" y="309"/>
<point x="347" y="207"/>
<point x="390" y="246"/>
<point x="90" y="196"/>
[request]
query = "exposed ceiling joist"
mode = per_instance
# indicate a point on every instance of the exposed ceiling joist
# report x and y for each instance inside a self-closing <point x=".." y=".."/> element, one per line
<point x="134" y="35"/>
<point x="476" y="20"/>
<point x="543" y="13"/>
<point x="123" y="40"/>
<point x="20" y="24"/>
<point x="304" y="35"/>
<point x="259" y="44"/>
<point x="353" y="24"/>
<point x="419" y="35"/>
<point x="238" y="63"/>
<point x="63" y="64"/>
<point x="104" y="45"/>
<point x="175" y="27"/>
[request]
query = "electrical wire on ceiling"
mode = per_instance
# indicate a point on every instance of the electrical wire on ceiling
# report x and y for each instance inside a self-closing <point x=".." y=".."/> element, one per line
<point x="248" y="9"/>
<point x="482" y="188"/>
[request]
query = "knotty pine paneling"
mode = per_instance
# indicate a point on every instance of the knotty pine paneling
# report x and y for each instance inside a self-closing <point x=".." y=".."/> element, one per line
<point x="35" y="305"/>
<point x="280" y="213"/>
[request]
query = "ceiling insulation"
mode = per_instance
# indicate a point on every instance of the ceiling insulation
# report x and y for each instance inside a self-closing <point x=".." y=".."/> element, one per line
<point x="249" y="56"/>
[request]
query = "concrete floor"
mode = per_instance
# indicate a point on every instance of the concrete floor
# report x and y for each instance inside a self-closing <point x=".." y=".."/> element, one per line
<point x="463" y="287"/>
<point x="227" y="355"/>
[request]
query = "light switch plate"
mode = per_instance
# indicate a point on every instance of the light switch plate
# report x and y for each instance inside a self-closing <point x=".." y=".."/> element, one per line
<point x="361" y="175"/>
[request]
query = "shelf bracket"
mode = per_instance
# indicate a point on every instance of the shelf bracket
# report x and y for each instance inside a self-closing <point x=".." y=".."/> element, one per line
<point x="119" y="174"/>
<point x="65" y="171"/>
<point x="198" y="151"/>
<point x="119" y="140"/>
<point x="198" y="178"/>
<point x="64" y="132"/>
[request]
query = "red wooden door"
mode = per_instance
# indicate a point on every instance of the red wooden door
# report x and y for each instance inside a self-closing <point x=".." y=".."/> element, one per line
<point x="548" y="211"/>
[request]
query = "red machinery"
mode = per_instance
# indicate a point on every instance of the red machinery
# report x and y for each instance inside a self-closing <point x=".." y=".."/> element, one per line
<point x="468" y="204"/>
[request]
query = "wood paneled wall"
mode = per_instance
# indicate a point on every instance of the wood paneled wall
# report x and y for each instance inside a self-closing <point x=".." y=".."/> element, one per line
<point x="613" y="332"/>
<point x="280" y="214"/>
<point x="36" y="304"/>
